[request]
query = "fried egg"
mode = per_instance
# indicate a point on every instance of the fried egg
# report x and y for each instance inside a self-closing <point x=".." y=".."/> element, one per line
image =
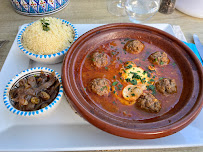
<point x="139" y="79"/>
<point x="133" y="92"/>
<point x="134" y="74"/>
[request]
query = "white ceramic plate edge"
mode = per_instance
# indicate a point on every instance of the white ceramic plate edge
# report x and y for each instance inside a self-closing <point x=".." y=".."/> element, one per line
<point x="76" y="135"/>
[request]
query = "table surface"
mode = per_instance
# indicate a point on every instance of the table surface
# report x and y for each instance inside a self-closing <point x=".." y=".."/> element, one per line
<point x="94" y="12"/>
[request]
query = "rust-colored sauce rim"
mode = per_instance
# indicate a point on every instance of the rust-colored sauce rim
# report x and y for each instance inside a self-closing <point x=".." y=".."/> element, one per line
<point x="95" y="117"/>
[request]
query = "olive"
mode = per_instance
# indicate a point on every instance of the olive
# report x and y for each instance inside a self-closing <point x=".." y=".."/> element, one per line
<point x="44" y="95"/>
<point x="23" y="102"/>
<point x="35" y="100"/>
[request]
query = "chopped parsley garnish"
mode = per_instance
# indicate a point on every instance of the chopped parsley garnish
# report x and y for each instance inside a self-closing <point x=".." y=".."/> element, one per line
<point x="155" y="60"/>
<point x="114" y="83"/>
<point x="106" y="68"/>
<point x="153" y="77"/>
<point x="124" y="70"/>
<point x="113" y="53"/>
<point x="103" y="88"/>
<point x="132" y="94"/>
<point x="135" y="75"/>
<point x="174" y="64"/>
<point x="92" y="59"/>
<point x="88" y="56"/>
<point x="111" y="46"/>
<point x="127" y="80"/>
<point x="124" y="51"/>
<point x="151" y="71"/>
<point x="126" y="39"/>
<point x="85" y="89"/>
<point x="161" y="62"/>
<point x="143" y="59"/>
<point x="120" y="86"/>
<point x="114" y="77"/>
<point x="152" y="88"/>
<point x="144" y="72"/>
<point x="128" y="89"/>
<point x="120" y="73"/>
<point x="134" y="82"/>
<point x="143" y="80"/>
<point x="148" y="74"/>
<point x="114" y="91"/>
<point x="161" y="78"/>
<point x="122" y="43"/>
<point x="45" y="24"/>
<point x="128" y="67"/>
<point x="114" y="102"/>
<point x="151" y="80"/>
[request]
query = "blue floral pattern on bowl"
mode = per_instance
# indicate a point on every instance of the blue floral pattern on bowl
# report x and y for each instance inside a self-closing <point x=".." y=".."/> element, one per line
<point x="12" y="82"/>
<point x="38" y="7"/>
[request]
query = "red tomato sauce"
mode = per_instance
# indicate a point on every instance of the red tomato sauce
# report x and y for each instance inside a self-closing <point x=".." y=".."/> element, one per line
<point x="118" y="56"/>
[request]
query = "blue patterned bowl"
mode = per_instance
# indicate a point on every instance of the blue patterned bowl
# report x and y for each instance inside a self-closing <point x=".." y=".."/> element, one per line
<point x="14" y="82"/>
<point x="38" y="7"/>
<point x="47" y="59"/>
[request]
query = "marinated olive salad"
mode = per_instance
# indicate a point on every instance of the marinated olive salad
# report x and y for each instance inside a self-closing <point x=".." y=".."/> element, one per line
<point x="35" y="92"/>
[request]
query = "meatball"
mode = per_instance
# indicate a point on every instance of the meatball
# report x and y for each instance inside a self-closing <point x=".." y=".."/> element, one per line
<point x="159" y="58"/>
<point x="134" y="46"/>
<point x="100" y="86"/>
<point x="100" y="59"/>
<point x="149" y="103"/>
<point x="166" y="85"/>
